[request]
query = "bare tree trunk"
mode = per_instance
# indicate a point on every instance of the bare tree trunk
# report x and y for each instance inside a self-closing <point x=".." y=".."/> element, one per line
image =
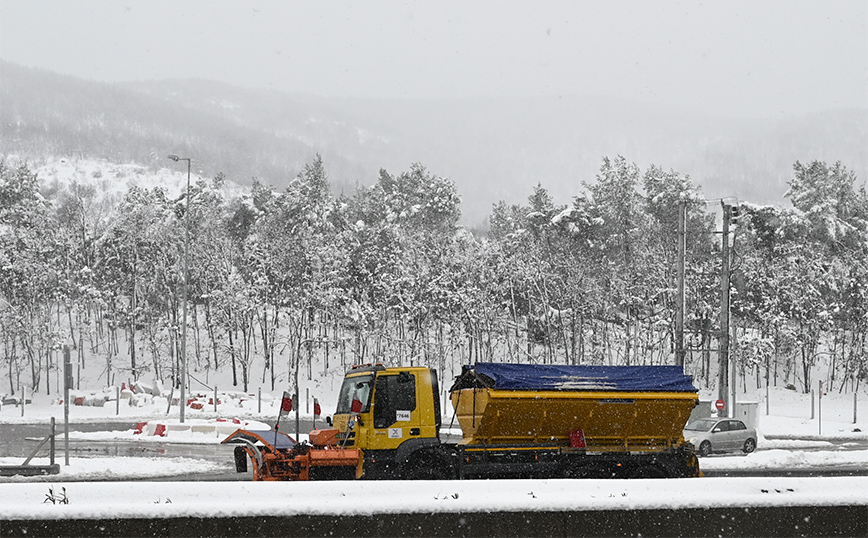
<point x="230" y="334"/>
<point x="212" y="336"/>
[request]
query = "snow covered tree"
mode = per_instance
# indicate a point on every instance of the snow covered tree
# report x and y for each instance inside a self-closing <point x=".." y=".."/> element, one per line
<point x="665" y="193"/>
<point x="28" y="277"/>
<point x="626" y="255"/>
<point x="138" y="265"/>
<point x="835" y="210"/>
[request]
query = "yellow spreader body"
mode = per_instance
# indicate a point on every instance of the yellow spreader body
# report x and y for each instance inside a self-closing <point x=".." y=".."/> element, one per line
<point x="608" y="421"/>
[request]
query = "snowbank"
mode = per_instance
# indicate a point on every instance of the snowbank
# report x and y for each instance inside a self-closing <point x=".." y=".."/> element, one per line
<point x="275" y="499"/>
<point x="143" y="403"/>
<point x="126" y="468"/>
<point x="785" y="460"/>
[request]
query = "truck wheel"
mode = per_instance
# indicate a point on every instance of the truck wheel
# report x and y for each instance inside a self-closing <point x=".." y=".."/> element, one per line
<point x="428" y="468"/>
<point x="749" y="446"/>
<point x="581" y="472"/>
<point x="427" y="473"/>
<point x="240" y="459"/>
<point x="705" y="448"/>
<point x="648" y="471"/>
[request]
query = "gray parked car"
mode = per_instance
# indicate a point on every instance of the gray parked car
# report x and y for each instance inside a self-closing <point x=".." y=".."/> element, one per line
<point x="720" y="435"/>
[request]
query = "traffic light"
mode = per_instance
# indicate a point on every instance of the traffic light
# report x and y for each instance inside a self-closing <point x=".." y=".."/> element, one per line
<point x="734" y="214"/>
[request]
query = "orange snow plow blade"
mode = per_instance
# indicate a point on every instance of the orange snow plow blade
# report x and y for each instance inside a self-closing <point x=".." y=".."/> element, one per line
<point x="276" y="456"/>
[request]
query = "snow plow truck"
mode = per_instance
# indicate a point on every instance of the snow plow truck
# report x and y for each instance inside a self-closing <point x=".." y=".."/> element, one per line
<point x="517" y="421"/>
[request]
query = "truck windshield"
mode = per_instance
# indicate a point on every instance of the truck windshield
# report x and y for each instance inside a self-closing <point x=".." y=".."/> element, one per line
<point x="355" y="396"/>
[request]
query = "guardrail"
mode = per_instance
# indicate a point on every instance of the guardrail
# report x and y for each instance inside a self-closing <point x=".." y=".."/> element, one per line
<point x="28" y="469"/>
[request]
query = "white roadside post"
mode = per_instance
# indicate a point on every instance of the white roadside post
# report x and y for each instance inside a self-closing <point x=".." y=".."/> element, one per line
<point x="820" y="410"/>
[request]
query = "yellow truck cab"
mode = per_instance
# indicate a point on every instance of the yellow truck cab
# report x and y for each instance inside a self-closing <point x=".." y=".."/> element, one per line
<point x="390" y="415"/>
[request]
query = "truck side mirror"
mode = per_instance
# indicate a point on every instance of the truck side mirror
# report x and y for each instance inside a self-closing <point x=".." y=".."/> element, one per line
<point x="329" y="420"/>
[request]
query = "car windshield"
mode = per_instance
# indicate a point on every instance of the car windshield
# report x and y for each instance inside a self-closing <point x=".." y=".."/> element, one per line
<point x="701" y="425"/>
<point x="355" y="389"/>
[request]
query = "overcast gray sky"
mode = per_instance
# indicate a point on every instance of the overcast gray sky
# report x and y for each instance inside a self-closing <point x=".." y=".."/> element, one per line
<point x="731" y="57"/>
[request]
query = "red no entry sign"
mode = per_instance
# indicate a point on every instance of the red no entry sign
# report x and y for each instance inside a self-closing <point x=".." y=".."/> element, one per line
<point x="719" y="404"/>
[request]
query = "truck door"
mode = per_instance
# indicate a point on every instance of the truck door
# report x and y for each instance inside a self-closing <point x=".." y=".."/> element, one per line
<point x="396" y="416"/>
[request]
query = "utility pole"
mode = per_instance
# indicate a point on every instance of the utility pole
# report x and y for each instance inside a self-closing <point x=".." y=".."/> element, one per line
<point x="723" y="339"/>
<point x="67" y="384"/>
<point x="679" y="306"/>
<point x="295" y="398"/>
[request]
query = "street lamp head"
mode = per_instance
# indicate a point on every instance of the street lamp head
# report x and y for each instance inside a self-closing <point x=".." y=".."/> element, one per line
<point x="174" y="157"/>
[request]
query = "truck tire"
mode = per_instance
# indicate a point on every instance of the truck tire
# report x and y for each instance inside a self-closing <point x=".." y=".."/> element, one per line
<point x="240" y="459"/>
<point x="427" y="473"/>
<point x="648" y="471"/>
<point x="428" y="465"/>
<point x="704" y="449"/>
<point x="579" y="472"/>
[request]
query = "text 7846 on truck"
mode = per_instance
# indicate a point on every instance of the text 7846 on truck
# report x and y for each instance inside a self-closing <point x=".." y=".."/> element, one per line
<point x="517" y="421"/>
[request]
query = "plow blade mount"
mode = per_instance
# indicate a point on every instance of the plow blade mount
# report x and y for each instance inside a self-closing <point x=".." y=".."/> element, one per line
<point x="276" y="456"/>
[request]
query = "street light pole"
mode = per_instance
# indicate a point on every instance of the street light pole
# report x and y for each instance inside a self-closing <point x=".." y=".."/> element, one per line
<point x="183" y="400"/>
<point x="723" y="339"/>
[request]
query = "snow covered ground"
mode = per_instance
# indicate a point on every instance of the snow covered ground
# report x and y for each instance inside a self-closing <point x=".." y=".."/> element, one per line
<point x="127" y="468"/>
<point x="270" y="499"/>
<point x="789" y="439"/>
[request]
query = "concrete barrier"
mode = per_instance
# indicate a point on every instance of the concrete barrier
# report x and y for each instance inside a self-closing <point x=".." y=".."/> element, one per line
<point x="730" y="521"/>
<point x="178" y="427"/>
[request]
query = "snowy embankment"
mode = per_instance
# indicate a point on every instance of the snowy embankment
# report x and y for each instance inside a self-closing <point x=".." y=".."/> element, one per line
<point x="127" y="468"/>
<point x="143" y="402"/>
<point x="268" y="499"/>
<point x="786" y="460"/>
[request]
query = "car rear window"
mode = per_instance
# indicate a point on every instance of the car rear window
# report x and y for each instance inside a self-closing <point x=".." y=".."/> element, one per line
<point x="700" y="425"/>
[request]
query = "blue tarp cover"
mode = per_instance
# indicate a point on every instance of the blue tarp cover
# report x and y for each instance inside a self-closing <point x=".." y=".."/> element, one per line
<point x="591" y="378"/>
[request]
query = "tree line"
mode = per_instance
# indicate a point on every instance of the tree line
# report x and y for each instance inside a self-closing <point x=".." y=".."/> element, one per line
<point x="302" y="281"/>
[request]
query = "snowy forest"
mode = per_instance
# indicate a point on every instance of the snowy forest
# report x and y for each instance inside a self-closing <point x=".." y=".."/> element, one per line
<point x="302" y="282"/>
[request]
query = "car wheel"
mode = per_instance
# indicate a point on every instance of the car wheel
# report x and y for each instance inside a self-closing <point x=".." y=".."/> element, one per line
<point x="749" y="446"/>
<point x="705" y="449"/>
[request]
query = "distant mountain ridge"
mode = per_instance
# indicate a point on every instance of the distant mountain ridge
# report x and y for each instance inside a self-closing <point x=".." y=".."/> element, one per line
<point x="494" y="149"/>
